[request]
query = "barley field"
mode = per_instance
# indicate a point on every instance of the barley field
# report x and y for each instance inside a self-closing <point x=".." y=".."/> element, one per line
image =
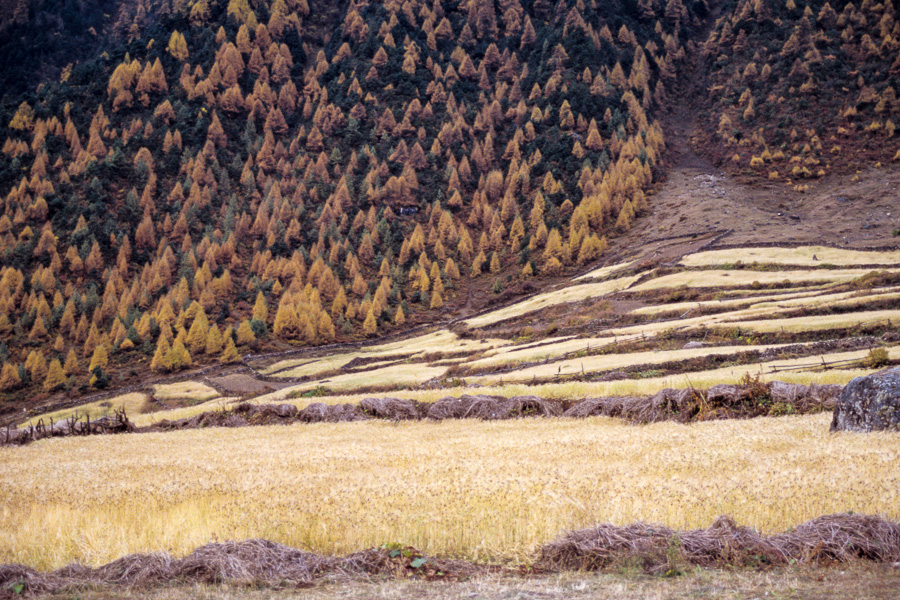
<point x="572" y="293"/>
<point x="480" y="490"/>
<point x="193" y="391"/>
<point x="802" y="256"/>
<point x="726" y="279"/>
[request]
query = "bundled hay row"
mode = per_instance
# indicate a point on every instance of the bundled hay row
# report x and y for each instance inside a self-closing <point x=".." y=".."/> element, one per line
<point x="493" y="408"/>
<point x="653" y="548"/>
<point x="657" y="549"/>
<point x="750" y="399"/>
<point x="250" y="562"/>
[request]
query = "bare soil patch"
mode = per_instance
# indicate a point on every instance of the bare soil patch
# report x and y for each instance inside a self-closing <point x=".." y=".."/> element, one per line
<point x="697" y="201"/>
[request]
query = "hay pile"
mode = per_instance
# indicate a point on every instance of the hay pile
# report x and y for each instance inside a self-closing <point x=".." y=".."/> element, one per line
<point x="331" y="413"/>
<point x="251" y="562"/>
<point x="653" y="548"/>
<point x="805" y="397"/>
<point x="631" y="408"/>
<point x="749" y="399"/>
<point x="656" y="549"/>
<point x="493" y="408"/>
<point x="254" y="562"/>
<point x="392" y="409"/>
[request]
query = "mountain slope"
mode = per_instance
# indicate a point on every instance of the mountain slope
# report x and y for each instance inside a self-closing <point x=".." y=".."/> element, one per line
<point x="249" y="175"/>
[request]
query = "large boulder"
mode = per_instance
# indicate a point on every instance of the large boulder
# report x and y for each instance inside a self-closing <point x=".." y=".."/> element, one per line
<point x="870" y="403"/>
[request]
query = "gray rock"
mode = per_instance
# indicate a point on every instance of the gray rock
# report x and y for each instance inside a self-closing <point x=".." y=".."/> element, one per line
<point x="870" y="403"/>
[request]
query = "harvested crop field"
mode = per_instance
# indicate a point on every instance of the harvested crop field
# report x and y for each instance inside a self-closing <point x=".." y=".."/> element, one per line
<point x="574" y="293"/>
<point x="810" y="256"/>
<point x="468" y="489"/>
<point x="739" y="278"/>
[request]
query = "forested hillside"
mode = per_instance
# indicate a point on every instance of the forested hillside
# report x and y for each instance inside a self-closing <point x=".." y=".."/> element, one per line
<point x="798" y="90"/>
<point x="234" y="175"/>
<point x="183" y="182"/>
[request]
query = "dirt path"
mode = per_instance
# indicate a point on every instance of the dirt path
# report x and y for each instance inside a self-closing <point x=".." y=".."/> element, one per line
<point x="697" y="199"/>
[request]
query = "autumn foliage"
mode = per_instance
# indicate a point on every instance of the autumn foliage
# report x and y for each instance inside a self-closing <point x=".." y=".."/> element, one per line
<point x="226" y="187"/>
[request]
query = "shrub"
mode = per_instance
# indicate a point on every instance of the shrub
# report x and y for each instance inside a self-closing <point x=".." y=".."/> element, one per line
<point x="877" y="357"/>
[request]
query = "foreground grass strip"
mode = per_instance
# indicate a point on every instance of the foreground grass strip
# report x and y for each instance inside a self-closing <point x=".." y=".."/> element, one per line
<point x="655" y="549"/>
<point x="862" y="579"/>
<point x="460" y="488"/>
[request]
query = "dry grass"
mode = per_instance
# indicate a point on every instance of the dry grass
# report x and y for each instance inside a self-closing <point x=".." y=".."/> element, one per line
<point x="813" y="323"/>
<point x="802" y="256"/>
<point x="407" y="374"/>
<point x="603" y="271"/>
<point x="193" y="391"/>
<point x="439" y="341"/>
<point x="481" y="490"/>
<point x="733" y="320"/>
<point x="777" y="301"/>
<point x="706" y="378"/>
<point x="133" y="403"/>
<point x="306" y="367"/>
<point x="607" y="362"/>
<point x="730" y="279"/>
<point x="183" y="412"/>
<point x="574" y="293"/>
<point x="534" y="352"/>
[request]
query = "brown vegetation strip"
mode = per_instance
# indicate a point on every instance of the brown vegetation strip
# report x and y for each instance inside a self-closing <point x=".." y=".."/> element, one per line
<point x="250" y="562"/>
<point x="747" y="400"/>
<point x="750" y="399"/>
<point x="653" y="548"/>
<point x="659" y="550"/>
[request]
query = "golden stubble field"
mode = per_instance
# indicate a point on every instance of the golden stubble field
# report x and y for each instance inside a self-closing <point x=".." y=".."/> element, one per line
<point x="480" y="490"/>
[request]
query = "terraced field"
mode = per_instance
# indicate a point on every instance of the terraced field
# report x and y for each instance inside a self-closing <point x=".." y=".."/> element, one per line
<point x="497" y="490"/>
<point x="724" y="310"/>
